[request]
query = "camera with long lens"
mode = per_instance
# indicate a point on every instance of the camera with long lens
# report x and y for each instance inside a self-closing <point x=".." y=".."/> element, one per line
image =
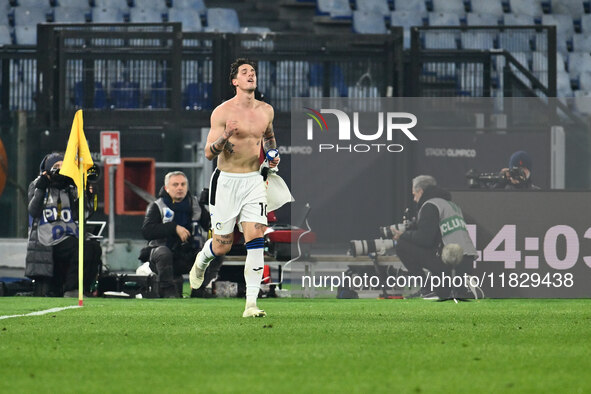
<point x="382" y="245"/>
<point x="387" y="231"/>
<point x="518" y="174"/>
<point x="493" y="180"/>
<point x="370" y="246"/>
<point x="485" y="180"/>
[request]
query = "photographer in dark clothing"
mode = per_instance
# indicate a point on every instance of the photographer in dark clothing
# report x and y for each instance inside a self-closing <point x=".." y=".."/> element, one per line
<point x="176" y="226"/>
<point x="52" y="251"/>
<point x="440" y="222"/>
<point x="518" y="174"/>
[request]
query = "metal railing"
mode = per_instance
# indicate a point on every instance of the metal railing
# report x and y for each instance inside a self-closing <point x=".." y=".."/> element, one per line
<point x="471" y="61"/>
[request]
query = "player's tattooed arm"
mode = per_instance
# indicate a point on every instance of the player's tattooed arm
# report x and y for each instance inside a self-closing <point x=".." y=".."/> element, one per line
<point x="229" y="147"/>
<point x="269" y="139"/>
<point x="222" y="143"/>
<point x="215" y="147"/>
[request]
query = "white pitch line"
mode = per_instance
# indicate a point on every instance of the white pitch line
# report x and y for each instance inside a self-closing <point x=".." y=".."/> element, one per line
<point x="39" y="313"/>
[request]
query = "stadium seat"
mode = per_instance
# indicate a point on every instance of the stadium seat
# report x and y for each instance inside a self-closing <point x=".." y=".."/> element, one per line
<point x="585" y="81"/>
<point x="223" y="20"/>
<point x="189" y="18"/>
<point x="477" y="40"/>
<point x="560" y="63"/>
<point x="491" y="7"/>
<point x="156" y="5"/>
<point x="338" y="86"/>
<point x="443" y="19"/>
<point x="417" y="6"/>
<point x="143" y="15"/>
<point x="116" y="4"/>
<point x="125" y="94"/>
<point x="473" y="19"/>
<point x="375" y="6"/>
<point x="5" y="37"/>
<point x="108" y="15"/>
<point x="563" y="85"/>
<point x="449" y="6"/>
<point x="406" y="20"/>
<point x="583" y="101"/>
<point x="586" y="23"/>
<point x="70" y="15"/>
<point x="574" y="8"/>
<point x="582" y="43"/>
<point x="195" y="5"/>
<point x="72" y="4"/>
<point x="367" y="22"/>
<point x="30" y="16"/>
<point x="100" y="99"/>
<point x="31" y="4"/>
<point x="198" y="96"/>
<point x="336" y="9"/>
<point x="26" y="35"/>
<point x="579" y="62"/>
<point x="526" y="7"/>
<point x="518" y="20"/>
<point x="564" y="24"/>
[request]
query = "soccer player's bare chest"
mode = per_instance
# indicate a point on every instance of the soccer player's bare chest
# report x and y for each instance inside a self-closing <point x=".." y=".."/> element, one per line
<point x="251" y="124"/>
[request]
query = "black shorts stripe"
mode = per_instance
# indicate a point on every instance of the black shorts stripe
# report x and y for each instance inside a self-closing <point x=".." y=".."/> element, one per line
<point x="213" y="187"/>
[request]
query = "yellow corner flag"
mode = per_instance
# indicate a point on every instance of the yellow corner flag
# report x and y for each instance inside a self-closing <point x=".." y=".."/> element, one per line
<point x="77" y="161"/>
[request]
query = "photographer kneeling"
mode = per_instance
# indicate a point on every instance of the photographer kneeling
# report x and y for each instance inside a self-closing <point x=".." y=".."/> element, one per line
<point x="440" y="222"/>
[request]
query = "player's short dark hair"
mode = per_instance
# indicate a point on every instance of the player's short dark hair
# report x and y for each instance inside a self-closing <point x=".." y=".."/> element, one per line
<point x="236" y="65"/>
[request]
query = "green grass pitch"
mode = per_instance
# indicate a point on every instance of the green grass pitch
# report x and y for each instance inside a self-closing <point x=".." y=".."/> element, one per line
<point x="322" y="345"/>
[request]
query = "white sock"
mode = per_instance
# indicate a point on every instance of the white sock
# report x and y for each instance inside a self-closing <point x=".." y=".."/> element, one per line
<point x="205" y="256"/>
<point x="253" y="270"/>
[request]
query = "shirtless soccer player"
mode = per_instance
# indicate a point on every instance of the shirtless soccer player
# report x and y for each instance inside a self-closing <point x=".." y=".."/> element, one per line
<point x="237" y="193"/>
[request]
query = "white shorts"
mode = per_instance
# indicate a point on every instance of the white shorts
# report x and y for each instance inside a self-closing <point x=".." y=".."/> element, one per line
<point x="235" y="198"/>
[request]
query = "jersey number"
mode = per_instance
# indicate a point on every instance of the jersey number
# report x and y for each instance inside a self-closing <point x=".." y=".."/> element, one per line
<point x="263" y="209"/>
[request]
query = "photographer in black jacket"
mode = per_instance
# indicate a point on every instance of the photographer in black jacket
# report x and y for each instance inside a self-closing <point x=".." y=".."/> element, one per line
<point x="518" y="174"/>
<point x="176" y="226"/>
<point x="52" y="251"/>
<point x="439" y="222"/>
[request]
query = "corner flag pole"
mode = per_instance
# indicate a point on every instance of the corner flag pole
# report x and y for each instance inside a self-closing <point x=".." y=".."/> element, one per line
<point x="77" y="161"/>
<point x="81" y="234"/>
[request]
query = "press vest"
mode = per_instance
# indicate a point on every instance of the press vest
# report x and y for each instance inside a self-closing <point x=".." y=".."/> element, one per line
<point x="452" y="225"/>
<point x="57" y="221"/>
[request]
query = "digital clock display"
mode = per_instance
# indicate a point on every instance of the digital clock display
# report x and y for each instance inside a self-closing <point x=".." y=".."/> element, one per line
<point x="522" y="233"/>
